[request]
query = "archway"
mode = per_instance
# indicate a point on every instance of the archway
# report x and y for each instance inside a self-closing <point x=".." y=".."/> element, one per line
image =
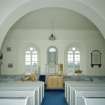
<point x="27" y="6"/>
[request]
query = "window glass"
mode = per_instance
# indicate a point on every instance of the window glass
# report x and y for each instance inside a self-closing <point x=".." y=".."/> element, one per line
<point x="31" y="58"/>
<point x="52" y="49"/>
<point x="52" y="60"/>
<point x="73" y="58"/>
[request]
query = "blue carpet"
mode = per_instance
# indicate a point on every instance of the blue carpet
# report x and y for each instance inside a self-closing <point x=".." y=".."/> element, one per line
<point x="54" y="97"/>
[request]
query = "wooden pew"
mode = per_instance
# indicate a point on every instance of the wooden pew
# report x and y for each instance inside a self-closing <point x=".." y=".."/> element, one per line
<point x="94" y="101"/>
<point x="20" y="93"/>
<point x="35" y="90"/>
<point x="26" y="86"/>
<point x="69" y="84"/>
<point x="75" y="83"/>
<point x="80" y="95"/>
<point x="14" y="101"/>
<point x="34" y="84"/>
<point x="92" y="88"/>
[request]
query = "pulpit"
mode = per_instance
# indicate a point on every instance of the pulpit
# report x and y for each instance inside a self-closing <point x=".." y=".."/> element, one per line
<point x="55" y="82"/>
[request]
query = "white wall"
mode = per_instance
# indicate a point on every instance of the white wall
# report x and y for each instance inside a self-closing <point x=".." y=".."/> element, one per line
<point x="19" y="39"/>
<point x="13" y="10"/>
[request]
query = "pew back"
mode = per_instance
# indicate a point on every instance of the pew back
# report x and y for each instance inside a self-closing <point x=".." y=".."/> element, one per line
<point x="95" y="101"/>
<point x="80" y="95"/>
<point x="14" y="101"/>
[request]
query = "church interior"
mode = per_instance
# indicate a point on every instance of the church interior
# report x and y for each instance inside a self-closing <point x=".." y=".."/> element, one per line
<point x="52" y="52"/>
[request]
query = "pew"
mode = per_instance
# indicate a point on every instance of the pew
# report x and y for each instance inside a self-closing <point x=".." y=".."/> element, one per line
<point x="80" y="95"/>
<point x="69" y="84"/>
<point x="14" y="101"/>
<point x="73" y="83"/>
<point x="79" y="83"/>
<point x="26" y="86"/>
<point x="73" y="89"/>
<point x="34" y="84"/>
<point x="20" y="93"/>
<point x="12" y="87"/>
<point x="94" y="101"/>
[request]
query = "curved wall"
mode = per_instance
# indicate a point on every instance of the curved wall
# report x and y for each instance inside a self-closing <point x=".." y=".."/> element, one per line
<point x="13" y="10"/>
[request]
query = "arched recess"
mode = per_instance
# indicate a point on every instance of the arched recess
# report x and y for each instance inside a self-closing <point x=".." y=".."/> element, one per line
<point x="52" y="55"/>
<point x="52" y="59"/>
<point x="31" y="5"/>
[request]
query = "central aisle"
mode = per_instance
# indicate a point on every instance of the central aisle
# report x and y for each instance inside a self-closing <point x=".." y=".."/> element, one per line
<point x="54" y="97"/>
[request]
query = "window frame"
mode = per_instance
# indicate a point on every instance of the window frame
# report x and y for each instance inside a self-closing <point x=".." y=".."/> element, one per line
<point x="31" y="66"/>
<point x="75" y="62"/>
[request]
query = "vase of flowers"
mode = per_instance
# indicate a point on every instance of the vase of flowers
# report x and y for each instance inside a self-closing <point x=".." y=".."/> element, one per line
<point x="78" y="71"/>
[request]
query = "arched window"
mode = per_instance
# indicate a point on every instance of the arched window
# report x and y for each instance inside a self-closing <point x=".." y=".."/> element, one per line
<point x="52" y="60"/>
<point x="52" y="55"/>
<point x="31" y="59"/>
<point x="73" y="58"/>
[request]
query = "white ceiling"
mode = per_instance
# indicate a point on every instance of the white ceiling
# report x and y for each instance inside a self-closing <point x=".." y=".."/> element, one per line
<point x="54" y="18"/>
